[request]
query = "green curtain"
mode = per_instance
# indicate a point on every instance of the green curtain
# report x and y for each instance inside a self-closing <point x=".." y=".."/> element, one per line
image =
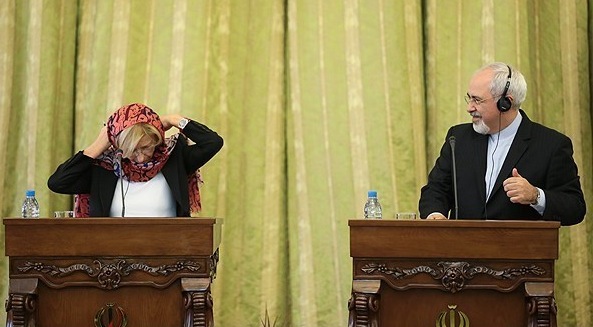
<point x="317" y="100"/>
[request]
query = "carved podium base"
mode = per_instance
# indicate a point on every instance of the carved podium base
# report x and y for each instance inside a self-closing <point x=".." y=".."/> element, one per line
<point x="21" y="305"/>
<point x="541" y="305"/>
<point x="23" y="309"/>
<point x="365" y="303"/>
<point x="197" y="301"/>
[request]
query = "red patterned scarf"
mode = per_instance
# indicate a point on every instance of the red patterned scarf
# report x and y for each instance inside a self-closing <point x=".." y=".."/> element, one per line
<point x="123" y="118"/>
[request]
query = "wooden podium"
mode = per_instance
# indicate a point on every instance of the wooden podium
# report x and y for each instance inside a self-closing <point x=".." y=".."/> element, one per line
<point x="454" y="273"/>
<point x="115" y="272"/>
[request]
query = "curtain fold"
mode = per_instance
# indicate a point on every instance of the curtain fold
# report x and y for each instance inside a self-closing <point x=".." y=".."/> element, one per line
<point x="346" y="135"/>
<point x="318" y="101"/>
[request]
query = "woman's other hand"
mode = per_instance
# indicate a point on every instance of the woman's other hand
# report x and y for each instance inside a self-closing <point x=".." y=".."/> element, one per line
<point x="170" y="121"/>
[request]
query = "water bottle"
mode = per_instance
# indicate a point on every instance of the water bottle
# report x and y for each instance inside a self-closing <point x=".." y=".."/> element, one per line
<point x="372" y="208"/>
<point x="30" y="206"/>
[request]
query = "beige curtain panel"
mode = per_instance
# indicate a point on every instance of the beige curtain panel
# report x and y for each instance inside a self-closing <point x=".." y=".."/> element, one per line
<point x="317" y="100"/>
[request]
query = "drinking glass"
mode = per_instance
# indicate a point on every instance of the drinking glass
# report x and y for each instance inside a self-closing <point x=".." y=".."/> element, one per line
<point x="64" y="214"/>
<point x="405" y="215"/>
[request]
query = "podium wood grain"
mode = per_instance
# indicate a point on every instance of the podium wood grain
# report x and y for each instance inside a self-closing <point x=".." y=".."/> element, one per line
<point x="62" y="272"/>
<point x="441" y="273"/>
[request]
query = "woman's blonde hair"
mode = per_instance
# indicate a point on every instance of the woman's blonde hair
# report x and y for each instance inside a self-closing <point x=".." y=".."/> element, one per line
<point x="129" y="138"/>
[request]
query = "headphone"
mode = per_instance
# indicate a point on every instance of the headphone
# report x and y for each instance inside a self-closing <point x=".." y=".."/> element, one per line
<point x="504" y="103"/>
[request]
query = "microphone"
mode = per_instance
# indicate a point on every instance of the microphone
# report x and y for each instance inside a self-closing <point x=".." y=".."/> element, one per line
<point x="452" y="144"/>
<point x="118" y="156"/>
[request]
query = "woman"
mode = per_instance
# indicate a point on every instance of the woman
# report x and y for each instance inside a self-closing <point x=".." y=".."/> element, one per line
<point x="132" y="170"/>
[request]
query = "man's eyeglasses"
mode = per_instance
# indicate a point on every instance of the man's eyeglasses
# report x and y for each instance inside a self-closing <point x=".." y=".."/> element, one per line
<point x="475" y="100"/>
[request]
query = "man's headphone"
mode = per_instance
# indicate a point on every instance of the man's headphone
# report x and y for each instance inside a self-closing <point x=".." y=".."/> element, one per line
<point x="504" y="103"/>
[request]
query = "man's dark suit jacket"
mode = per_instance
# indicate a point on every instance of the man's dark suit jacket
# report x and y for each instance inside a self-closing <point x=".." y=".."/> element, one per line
<point x="542" y="155"/>
<point x="79" y="174"/>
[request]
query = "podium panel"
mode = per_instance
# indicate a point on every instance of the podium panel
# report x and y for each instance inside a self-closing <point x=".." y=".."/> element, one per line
<point x="453" y="273"/>
<point x="114" y="272"/>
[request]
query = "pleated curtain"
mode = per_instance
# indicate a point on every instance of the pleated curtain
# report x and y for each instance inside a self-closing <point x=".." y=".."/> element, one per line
<point x="318" y="101"/>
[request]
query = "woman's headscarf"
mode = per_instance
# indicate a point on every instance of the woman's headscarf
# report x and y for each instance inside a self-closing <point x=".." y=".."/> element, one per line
<point x="111" y="159"/>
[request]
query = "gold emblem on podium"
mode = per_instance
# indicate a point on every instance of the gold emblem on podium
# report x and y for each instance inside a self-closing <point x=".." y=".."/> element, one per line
<point x="111" y="316"/>
<point x="453" y="314"/>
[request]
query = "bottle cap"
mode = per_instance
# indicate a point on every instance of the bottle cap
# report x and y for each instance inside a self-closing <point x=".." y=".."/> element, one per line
<point x="372" y="194"/>
<point x="30" y="192"/>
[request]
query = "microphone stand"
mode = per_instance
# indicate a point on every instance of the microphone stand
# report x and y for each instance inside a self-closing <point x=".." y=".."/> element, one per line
<point x="118" y="158"/>
<point x="452" y="143"/>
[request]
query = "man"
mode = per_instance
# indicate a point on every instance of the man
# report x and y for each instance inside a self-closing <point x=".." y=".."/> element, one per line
<point x="507" y="166"/>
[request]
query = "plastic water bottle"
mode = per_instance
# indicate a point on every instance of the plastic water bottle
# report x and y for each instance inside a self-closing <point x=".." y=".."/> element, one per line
<point x="372" y="208"/>
<point x="30" y="205"/>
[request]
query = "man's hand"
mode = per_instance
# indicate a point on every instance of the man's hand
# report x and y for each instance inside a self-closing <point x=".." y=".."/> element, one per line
<point x="519" y="190"/>
<point x="436" y="216"/>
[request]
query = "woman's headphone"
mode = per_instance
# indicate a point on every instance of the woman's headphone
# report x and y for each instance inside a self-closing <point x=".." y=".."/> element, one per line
<point x="504" y="103"/>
